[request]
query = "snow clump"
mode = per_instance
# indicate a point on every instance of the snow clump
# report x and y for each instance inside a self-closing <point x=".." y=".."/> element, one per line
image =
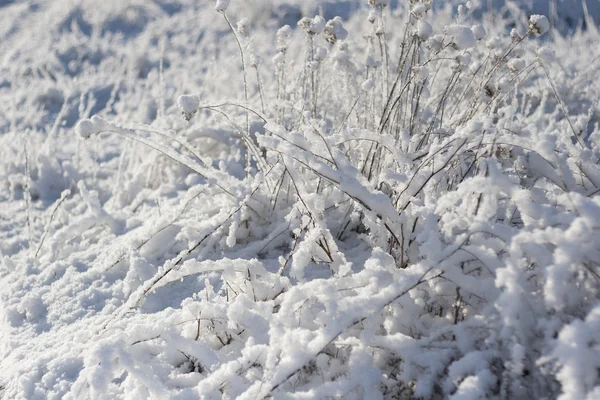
<point x="334" y="30"/>
<point x="478" y="31"/>
<point x="462" y="36"/>
<point x="539" y="24"/>
<point x="188" y="105"/>
<point x="424" y="30"/>
<point x="312" y="26"/>
<point x="88" y="127"/>
<point x="222" y="5"/>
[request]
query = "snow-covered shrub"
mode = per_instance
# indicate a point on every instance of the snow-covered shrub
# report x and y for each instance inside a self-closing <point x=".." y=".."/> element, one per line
<point x="401" y="205"/>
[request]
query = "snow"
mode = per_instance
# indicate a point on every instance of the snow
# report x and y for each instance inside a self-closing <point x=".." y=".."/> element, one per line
<point x="221" y="5"/>
<point x="334" y="30"/>
<point x="385" y="200"/>
<point x="478" y="31"/>
<point x="462" y="36"/>
<point x="367" y="85"/>
<point x="539" y="24"/>
<point x="424" y="30"/>
<point x="188" y="104"/>
<point x="88" y="127"/>
<point x="546" y="54"/>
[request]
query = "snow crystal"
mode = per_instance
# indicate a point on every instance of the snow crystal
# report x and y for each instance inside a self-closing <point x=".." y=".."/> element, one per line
<point x="242" y="26"/>
<point x="379" y="3"/>
<point x="255" y="60"/>
<point x="318" y="24"/>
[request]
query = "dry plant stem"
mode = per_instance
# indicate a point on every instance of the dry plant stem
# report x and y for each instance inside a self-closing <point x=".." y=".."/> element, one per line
<point x="181" y="141"/>
<point x="527" y="70"/>
<point x="182" y="257"/>
<point x="384" y="53"/>
<point x="27" y="194"/>
<point x="250" y="145"/>
<point x="320" y="135"/>
<point x="348" y="114"/>
<point x="184" y="209"/>
<point x="47" y="228"/>
<point x="239" y="43"/>
<point x="474" y="105"/>
<point x="363" y="203"/>
<point x="357" y="321"/>
<point x="167" y="151"/>
<point x="260" y="91"/>
<point x="313" y="79"/>
<point x="560" y="102"/>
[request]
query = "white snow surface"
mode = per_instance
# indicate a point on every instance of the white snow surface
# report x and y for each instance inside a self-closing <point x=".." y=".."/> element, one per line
<point x="362" y="215"/>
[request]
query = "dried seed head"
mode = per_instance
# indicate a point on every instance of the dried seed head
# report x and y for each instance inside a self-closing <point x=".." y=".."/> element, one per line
<point x="242" y="26"/>
<point x="255" y="60"/>
<point x="378" y="3"/>
<point x="516" y="65"/>
<point x="221" y="5"/>
<point x="435" y="42"/>
<point x="463" y="61"/>
<point x="514" y="35"/>
<point x="423" y="30"/>
<point x="478" y="31"/>
<point x="312" y="26"/>
<point x="279" y="59"/>
<point x="283" y="38"/>
<point x="539" y="24"/>
<point x="188" y="105"/>
<point x="334" y="30"/>
<point x="489" y="90"/>
<point x="372" y="16"/>
<point x="320" y="53"/>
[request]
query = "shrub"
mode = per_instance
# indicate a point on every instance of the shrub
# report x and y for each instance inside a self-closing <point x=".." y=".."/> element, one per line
<point x="411" y="215"/>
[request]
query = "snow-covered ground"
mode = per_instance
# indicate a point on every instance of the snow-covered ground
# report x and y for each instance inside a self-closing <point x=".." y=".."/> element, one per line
<point x="400" y="203"/>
